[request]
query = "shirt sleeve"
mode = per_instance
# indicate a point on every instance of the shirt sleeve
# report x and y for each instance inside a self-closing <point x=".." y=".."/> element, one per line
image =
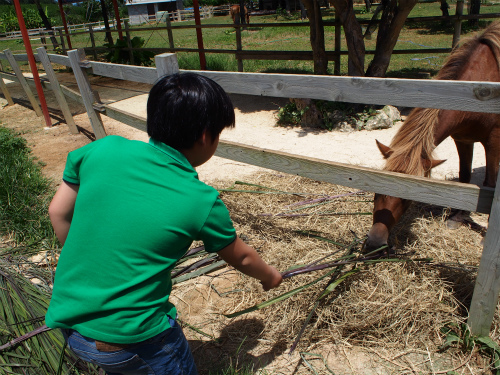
<point x="218" y="230"/>
<point x="74" y="160"/>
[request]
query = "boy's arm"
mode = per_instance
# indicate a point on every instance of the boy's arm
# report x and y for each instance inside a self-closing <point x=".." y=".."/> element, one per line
<point x="61" y="209"/>
<point x="245" y="259"/>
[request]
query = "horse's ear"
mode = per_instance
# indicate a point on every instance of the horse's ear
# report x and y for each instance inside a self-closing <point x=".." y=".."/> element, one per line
<point x="385" y="150"/>
<point x="429" y="164"/>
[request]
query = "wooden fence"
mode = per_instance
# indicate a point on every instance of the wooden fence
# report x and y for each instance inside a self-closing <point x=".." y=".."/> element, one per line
<point x="454" y="95"/>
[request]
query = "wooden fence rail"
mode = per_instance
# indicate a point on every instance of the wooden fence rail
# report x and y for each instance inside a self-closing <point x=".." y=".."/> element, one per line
<point x="470" y="96"/>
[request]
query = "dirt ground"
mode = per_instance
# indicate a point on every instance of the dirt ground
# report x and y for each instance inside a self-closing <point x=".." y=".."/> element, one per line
<point x="255" y="125"/>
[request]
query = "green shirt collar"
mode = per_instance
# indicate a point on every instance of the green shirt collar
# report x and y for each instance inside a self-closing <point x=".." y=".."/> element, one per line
<point x="172" y="152"/>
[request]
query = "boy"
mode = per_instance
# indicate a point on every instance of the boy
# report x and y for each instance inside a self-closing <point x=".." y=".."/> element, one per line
<point x="125" y="213"/>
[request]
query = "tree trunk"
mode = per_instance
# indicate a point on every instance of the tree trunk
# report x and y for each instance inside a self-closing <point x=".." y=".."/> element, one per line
<point x="317" y="36"/>
<point x="242" y="13"/>
<point x="104" y="10"/>
<point x="303" y="11"/>
<point x="444" y="8"/>
<point x="474" y="7"/>
<point x="393" y="19"/>
<point x="46" y="23"/>
<point x="354" y="37"/>
<point x="368" y="5"/>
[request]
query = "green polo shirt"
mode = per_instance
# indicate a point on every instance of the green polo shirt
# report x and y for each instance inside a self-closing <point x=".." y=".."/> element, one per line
<point x="138" y="209"/>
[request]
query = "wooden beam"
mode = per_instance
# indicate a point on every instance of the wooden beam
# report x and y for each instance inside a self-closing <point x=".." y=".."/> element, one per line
<point x="77" y="57"/>
<point x="166" y="64"/>
<point x="456" y="95"/>
<point x="72" y="94"/>
<point x="487" y="287"/>
<point x="126" y="72"/>
<point x="56" y="88"/>
<point x="443" y="193"/>
<point x="22" y="80"/>
<point x="125" y="117"/>
<point x="4" y="89"/>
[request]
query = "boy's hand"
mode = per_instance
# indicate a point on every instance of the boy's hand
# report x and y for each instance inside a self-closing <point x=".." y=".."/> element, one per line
<point x="273" y="280"/>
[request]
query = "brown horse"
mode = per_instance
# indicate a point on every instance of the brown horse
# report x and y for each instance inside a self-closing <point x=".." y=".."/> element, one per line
<point x="411" y="149"/>
<point x="234" y="11"/>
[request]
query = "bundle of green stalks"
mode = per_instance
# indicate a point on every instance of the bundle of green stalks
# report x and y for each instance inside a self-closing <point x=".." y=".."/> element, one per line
<point x="28" y="255"/>
<point x="334" y="294"/>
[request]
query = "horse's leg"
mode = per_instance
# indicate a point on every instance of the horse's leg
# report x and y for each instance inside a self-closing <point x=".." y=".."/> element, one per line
<point x="465" y="154"/>
<point x="492" y="150"/>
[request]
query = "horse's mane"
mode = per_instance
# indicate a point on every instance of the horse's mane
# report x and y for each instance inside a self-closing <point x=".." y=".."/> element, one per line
<point x="414" y="142"/>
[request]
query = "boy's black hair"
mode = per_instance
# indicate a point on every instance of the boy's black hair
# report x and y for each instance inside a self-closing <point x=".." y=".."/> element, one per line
<point x="182" y="106"/>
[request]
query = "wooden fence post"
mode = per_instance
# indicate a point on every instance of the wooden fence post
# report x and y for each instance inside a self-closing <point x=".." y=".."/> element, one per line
<point x="42" y="37"/>
<point x="336" y="66"/>
<point x="77" y="59"/>
<point x="47" y="66"/>
<point x="92" y="41"/>
<point x="239" y="48"/>
<point x="4" y="89"/>
<point x="22" y="80"/>
<point x="487" y="287"/>
<point x="458" y="23"/>
<point x="166" y="63"/>
<point x="129" y="43"/>
<point x="63" y="45"/>
<point x="170" y="34"/>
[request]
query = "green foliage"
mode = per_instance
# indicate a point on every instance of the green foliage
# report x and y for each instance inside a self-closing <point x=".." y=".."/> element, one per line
<point x="289" y="115"/>
<point x="119" y="55"/>
<point x="24" y="192"/>
<point x="286" y="15"/>
<point x="32" y="19"/>
<point x="461" y="336"/>
<point x="332" y="113"/>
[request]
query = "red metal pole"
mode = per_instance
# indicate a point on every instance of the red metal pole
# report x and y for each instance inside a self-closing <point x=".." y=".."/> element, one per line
<point x="118" y="20"/>
<point x="63" y="16"/>
<point x="31" y="60"/>
<point x="197" y="21"/>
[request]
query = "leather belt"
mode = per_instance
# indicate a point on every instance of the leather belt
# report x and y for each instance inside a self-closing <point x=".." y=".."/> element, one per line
<point x="108" y="347"/>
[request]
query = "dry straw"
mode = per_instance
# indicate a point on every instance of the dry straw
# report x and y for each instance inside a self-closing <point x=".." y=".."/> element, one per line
<point x="390" y="304"/>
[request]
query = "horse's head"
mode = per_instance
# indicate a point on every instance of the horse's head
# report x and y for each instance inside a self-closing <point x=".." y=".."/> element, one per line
<point x="388" y="210"/>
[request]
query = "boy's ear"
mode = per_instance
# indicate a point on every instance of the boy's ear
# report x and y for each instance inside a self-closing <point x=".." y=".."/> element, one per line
<point x="204" y="138"/>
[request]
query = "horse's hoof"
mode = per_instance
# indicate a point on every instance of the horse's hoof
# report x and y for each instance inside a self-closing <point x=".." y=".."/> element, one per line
<point x="453" y="224"/>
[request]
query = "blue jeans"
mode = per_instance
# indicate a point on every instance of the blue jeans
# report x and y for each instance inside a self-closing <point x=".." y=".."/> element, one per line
<point x="167" y="353"/>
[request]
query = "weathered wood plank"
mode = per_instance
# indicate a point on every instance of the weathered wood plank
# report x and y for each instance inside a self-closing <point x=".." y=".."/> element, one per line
<point x="5" y="91"/>
<point x="9" y="76"/>
<point x="443" y="193"/>
<point x="22" y="80"/>
<point x="487" y="288"/>
<point x="126" y="72"/>
<point x="166" y="63"/>
<point x="75" y="57"/>
<point x="456" y="95"/>
<point x="60" y="59"/>
<point x="125" y="117"/>
<point x="72" y="94"/>
<point x="47" y="66"/>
